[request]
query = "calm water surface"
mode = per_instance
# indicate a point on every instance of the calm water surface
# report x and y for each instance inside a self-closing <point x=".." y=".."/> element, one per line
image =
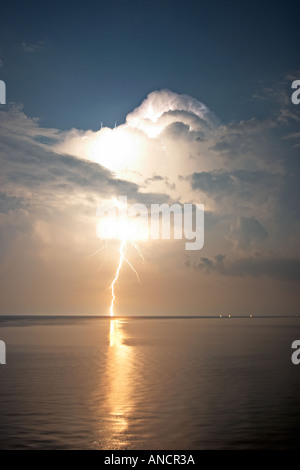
<point x="149" y="384"/>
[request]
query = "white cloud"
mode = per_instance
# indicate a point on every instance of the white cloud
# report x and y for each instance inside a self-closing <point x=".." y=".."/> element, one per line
<point x="168" y="134"/>
<point x="162" y="108"/>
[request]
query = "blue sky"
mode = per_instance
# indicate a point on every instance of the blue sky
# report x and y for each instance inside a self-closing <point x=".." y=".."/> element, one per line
<point x="75" y="64"/>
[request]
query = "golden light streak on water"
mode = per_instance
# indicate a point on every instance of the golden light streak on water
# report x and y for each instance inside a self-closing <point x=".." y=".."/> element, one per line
<point x="119" y="399"/>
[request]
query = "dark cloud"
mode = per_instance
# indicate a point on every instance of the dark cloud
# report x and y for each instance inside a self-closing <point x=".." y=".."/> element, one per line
<point x="154" y="178"/>
<point x="212" y="182"/>
<point x="8" y="203"/>
<point x="185" y="124"/>
<point x="285" y="269"/>
<point x="242" y="184"/>
<point x="248" y="231"/>
<point x="177" y="130"/>
<point x="29" y="167"/>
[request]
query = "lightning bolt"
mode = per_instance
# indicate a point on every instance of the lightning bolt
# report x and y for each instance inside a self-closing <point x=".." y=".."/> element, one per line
<point x="139" y="252"/>
<point x="122" y="258"/>
<point x="112" y="286"/>
<point x="124" y="234"/>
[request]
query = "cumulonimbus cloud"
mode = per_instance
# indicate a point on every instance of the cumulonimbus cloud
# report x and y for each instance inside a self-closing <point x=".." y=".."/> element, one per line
<point x="162" y="108"/>
<point x="171" y="147"/>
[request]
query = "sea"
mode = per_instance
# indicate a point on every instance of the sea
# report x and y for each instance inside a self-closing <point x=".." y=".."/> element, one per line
<point x="149" y="383"/>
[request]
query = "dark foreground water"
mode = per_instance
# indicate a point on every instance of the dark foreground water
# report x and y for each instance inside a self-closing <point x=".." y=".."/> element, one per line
<point x="149" y="384"/>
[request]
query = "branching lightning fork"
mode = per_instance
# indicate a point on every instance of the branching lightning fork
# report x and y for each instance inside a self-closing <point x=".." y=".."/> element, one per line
<point x="122" y="258"/>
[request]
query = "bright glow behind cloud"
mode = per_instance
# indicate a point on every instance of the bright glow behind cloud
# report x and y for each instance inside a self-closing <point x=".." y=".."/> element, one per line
<point x="166" y="136"/>
<point x="112" y="148"/>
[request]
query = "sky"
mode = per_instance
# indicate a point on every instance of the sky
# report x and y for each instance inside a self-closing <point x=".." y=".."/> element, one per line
<point x="162" y="102"/>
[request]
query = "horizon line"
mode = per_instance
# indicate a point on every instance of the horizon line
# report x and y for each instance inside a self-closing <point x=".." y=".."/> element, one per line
<point x="118" y="317"/>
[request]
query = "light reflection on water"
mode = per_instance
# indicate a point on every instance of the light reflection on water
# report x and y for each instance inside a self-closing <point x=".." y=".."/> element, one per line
<point x="149" y="384"/>
<point x="119" y="393"/>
